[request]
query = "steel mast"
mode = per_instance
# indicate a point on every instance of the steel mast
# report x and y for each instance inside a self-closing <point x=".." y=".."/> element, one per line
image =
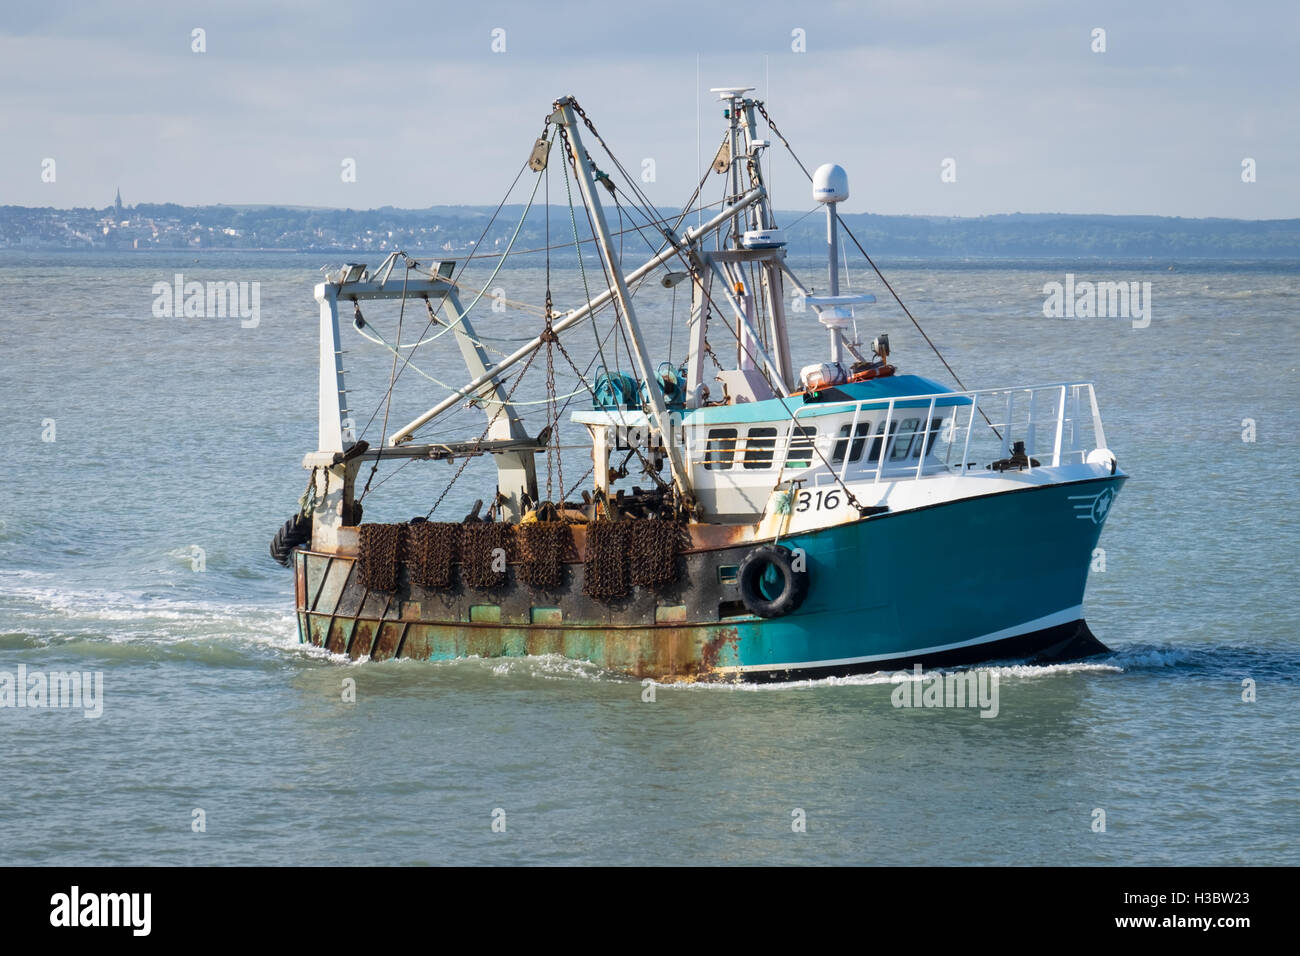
<point x="564" y="115"/>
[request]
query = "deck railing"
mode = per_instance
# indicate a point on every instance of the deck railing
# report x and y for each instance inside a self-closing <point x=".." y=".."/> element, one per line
<point x="1052" y="420"/>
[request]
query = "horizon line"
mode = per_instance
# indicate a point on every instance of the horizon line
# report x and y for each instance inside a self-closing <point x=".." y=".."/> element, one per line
<point x="673" y="209"/>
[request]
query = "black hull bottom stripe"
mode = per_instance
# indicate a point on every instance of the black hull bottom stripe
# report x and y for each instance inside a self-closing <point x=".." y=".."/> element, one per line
<point x="1052" y="645"/>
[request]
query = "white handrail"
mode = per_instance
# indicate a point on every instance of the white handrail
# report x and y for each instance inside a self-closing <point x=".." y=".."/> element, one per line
<point x="970" y="427"/>
<point x="886" y="435"/>
<point x="1067" y="400"/>
<point x="1060" y="425"/>
<point x="925" y="437"/>
<point x="848" y="448"/>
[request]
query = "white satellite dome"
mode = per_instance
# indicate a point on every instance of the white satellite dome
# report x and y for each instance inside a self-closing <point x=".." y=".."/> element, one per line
<point x="830" y="183"/>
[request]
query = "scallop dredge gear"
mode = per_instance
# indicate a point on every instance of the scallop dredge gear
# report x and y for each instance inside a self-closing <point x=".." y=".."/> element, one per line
<point x="642" y="552"/>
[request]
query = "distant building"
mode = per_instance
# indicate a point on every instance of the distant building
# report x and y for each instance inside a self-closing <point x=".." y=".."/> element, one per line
<point x="117" y="205"/>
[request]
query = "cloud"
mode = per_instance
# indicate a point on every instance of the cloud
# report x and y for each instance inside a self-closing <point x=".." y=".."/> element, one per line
<point x="1035" y="120"/>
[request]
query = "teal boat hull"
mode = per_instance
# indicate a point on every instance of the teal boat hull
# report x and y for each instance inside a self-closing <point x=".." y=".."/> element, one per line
<point x="996" y="576"/>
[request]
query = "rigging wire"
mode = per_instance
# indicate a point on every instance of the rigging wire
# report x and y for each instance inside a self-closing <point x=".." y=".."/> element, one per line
<point x="537" y="250"/>
<point x="582" y="268"/>
<point x="668" y="239"/>
<point x="459" y="272"/>
<point x="568" y="398"/>
<point x="501" y="261"/>
<point x="384" y="343"/>
<point x="483" y="435"/>
<point x="880" y="275"/>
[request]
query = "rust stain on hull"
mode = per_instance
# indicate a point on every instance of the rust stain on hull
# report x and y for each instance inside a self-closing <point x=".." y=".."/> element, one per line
<point x="723" y="637"/>
<point x="665" y="654"/>
<point x="362" y="639"/>
<point x="411" y="622"/>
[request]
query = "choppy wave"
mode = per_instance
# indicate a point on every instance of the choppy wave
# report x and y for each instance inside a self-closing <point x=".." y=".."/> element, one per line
<point x="541" y="666"/>
<point x="1280" y="292"/>
<point x="1216" y="661"/>
<point x="136" y="622"/>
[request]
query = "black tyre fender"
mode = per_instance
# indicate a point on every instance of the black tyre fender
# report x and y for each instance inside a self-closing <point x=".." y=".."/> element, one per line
<point x="294" y="533"/>
<point x="794" y="583"/>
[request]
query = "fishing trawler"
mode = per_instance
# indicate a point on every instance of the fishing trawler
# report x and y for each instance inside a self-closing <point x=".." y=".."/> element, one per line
<point x="803" y="521"/>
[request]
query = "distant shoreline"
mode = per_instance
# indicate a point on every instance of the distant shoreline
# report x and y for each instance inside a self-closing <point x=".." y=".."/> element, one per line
<point x="455" y="232"/>
<point x="374" y="257"/>
<point x="485" y="210"/>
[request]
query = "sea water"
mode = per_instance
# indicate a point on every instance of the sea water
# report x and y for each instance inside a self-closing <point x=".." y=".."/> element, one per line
<point x="151" y="455"/>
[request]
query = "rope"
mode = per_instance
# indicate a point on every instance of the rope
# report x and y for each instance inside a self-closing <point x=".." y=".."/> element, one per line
<point x="432" y="317"/>
<point x="501" y="261"/>
<point x="381" y="341"/>
<point x="478" y="442"/>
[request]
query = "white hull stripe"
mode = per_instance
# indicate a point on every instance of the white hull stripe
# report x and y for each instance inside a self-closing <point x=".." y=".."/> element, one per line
<point x="1038" y="624"/>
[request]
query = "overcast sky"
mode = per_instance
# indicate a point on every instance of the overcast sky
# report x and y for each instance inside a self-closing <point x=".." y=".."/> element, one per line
<point x="1012" y="91"/>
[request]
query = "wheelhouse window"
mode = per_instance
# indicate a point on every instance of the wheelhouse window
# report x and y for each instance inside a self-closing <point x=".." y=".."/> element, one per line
<point x="878" y="443"/>
<point x="903" y="440"/>
<point x="760" y="444"/>
<point x="936" y="424"/>
<point x="720" y="452"/>
<point x="802" y="439"/>
<point x="861" y="432"/>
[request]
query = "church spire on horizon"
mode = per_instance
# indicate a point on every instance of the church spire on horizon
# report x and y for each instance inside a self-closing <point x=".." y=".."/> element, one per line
<point x="117" y="203"/>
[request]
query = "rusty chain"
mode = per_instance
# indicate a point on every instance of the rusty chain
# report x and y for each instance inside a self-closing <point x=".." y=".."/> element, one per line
<point x="432" y="547"/>
<point x="543" y="546"/>
<point x="482" y="544"/>
<point x="379" y="555"/>
<point x="605" y="571"/>
<point x="653" y="548"/>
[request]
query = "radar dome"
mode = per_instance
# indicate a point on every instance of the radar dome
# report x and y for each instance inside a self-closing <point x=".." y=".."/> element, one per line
<point x="830" y="183"/>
